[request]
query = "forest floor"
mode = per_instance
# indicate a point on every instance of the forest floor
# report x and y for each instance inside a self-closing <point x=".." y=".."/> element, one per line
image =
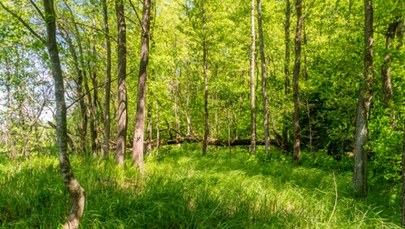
<point x="182" y="189"/>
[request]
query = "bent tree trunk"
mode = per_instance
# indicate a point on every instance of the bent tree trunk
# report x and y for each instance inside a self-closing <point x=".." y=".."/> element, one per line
<point x="71" y="183"/>
<point x="137" y="153"/>
<point x="363" y="108"/>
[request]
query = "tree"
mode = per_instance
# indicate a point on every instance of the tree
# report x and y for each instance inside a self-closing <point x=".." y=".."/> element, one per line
<point x="403" y="179"/>
<point x="286" y="64"/>
<point x="71" y="183"/>
<point x="122" y="87"/>
<point x="252" y="82"/>
<point x="205" y="74"/>
<point x="264" y="77"/>
<point x="142" y="78"/>
<point x="296" y="74"/>
<point x="363" y="108"/>
<point x="105" y="145"/>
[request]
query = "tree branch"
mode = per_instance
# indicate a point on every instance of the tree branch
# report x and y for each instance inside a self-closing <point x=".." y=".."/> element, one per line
<point x="24" y="23"/>
<point x="38" y="10"/>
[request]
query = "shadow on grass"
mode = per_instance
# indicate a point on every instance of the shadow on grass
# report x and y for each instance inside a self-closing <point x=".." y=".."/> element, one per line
<point x="34" y="197"/>
<point x="320" y="180"/>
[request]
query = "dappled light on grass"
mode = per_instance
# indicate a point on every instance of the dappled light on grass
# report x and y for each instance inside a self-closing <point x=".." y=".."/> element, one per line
<point x="182" y="189"/>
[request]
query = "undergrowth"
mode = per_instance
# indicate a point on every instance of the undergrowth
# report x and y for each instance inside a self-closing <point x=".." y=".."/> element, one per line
<point x="182" y="189"/>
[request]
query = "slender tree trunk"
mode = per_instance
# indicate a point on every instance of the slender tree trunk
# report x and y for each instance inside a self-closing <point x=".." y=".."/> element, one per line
<point x="286" y="66"/>
<point x="264" y="78"/>
<point x="150" y="132"/>
<point x="71" y="183"/>
<point x="90" y="114"/>
<point x="296" y="74"/>
<point x="157" y="129"/>
<point x="122" y="86"/>
<point x="403" y="180"/>
<point x="82" y="104"/>
<point x="252" y="81"/>
<point x="107" y="88"/>
<point x="386" y="70"/>
<point x="137" y="155"/>
<point x="363" y="108"/>
<point x="93" y="105"/>
<point x="206" y="114"/>
<point x="205" y="73"/>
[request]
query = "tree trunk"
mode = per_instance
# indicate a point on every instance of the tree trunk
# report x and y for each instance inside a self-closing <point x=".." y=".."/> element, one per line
<point x="122" y="86"/>
<point x="82" y="104"/>
<point x="386" y="70"/>
<point x="252" y="81"/>
<point x="105" y="145"/>
<point x="93" y="105"/>
<point x="137" y="155"/>
<point x="297" y="69"/>
<point x="205" y="73"/>
<point x="91" y="115"/>
<point x="403" y="180"/>
<point x="363" y="107"/>
<point x="71" y="183"/>
<point x="150" y="132"/>
<point x="286" y="66"/>
<point x="264" y="78"/>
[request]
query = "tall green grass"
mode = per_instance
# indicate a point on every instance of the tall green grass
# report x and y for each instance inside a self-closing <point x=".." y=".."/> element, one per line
<point x="182" y="189"/>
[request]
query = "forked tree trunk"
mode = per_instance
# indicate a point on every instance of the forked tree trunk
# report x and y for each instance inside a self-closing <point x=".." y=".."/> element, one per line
<point x="286" y="67"/>
<point x="264" y="78"/>
<point x="122" y="86"/>
<point x="137" y="154"/>
<point x="252" y="81"/>
<point x="363" y="108"/>
<point x="105" y="145"/>
<point x="71" y="183"/>
<point x="296" y="75"/>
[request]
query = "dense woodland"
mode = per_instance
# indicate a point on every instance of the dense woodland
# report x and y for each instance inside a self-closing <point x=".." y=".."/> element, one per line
<point x="292" y="108"/>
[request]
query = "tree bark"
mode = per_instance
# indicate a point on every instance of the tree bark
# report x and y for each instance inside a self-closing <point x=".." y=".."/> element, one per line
<point x="137" y="155"/>
<point x="296" y="75"/>
<point x="93" y="105"/>
<point x="252" y="81"/>
<point x="71" y="183"/>
<point x="205" y="73"/>
<point x="122" y="86"/>
<point x="386" y="70"/>
<point x="363" y="109"/>
<point x="286" y="66"/>
<point x="264" y="77"/>
<point x="105" y="145"/>
<point x="403" y="180"/>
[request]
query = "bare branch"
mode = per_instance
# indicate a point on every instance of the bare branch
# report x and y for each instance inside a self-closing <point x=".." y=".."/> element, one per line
<point x="24" y="23"/>
<point x="136" y="13"/>
<point x="38" y="10"/>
